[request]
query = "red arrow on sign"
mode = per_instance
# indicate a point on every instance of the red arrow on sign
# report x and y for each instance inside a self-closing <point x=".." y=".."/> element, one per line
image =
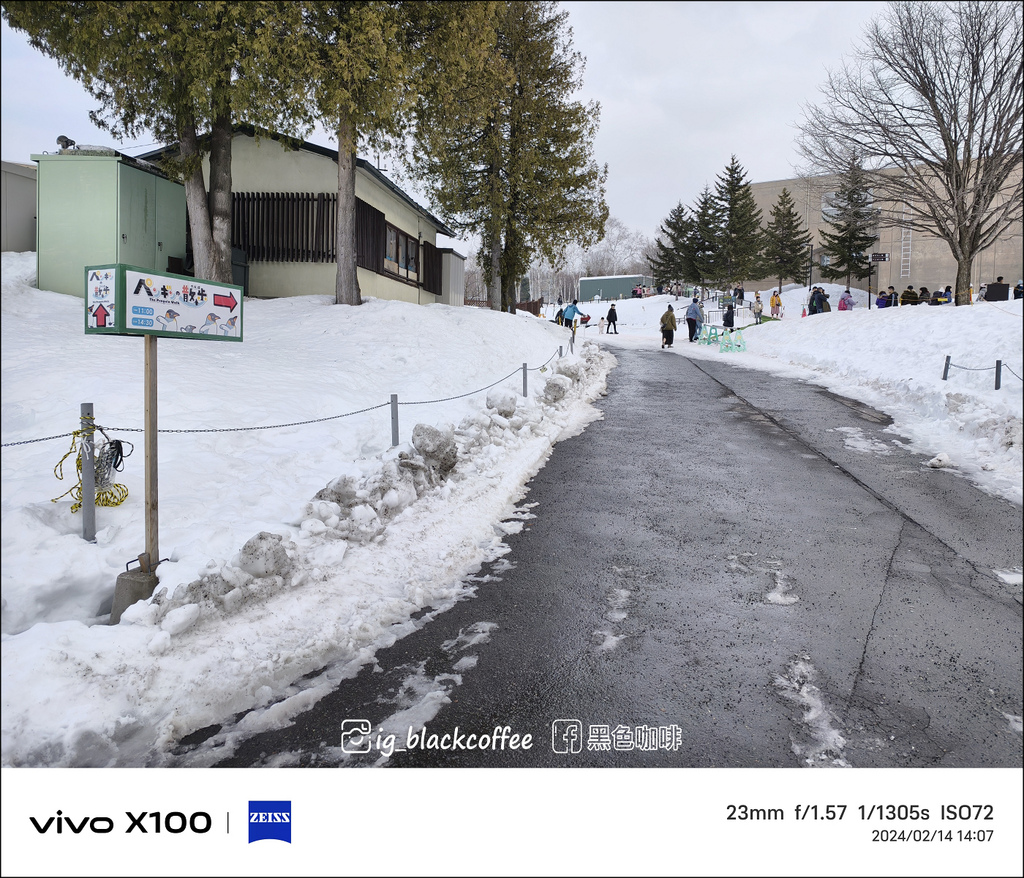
<point x="229" y="301"/>
<point x="101" y="314"/>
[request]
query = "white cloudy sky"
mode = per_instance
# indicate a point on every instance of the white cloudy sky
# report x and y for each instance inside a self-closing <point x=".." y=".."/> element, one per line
<point x="682" y="87"/>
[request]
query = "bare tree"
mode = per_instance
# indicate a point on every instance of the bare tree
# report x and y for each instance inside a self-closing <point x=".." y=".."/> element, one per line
<point x="932" y="103"/>
<point x="620" y="252"/>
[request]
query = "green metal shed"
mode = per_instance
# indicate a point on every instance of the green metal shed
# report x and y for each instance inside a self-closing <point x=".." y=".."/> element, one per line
<point x="99" y="207"/>
<point x="617" y="286"/>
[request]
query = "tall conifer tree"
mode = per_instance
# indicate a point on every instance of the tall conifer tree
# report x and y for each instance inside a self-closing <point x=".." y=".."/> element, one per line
<point x="787" y="242"/>
<point x="668" y="264"/>
<point x="741" y="242"/>
<point x="513" y="160"/>
<point x="854" y="223"/>
<point x="702" y="249"/>
<point x="179" y="70"/>
<point x="366" y="62"/>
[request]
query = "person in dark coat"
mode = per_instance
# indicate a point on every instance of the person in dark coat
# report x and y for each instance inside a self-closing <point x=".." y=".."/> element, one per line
<point x="668" y="327"/>
<point x="729" y="318"/>
<point x="613" y="321"/>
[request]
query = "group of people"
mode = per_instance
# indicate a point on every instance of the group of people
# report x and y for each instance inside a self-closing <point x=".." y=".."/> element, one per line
<point x="890" y="298"/>
<point x="694" y="320"/>
<point x="818" y="302"/>
<point x="568" y="315"/>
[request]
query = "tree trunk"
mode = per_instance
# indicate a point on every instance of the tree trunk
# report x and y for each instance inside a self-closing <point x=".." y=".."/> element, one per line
<point x="963" y="280"/>
<point x="197" y="204"/>
<point x="346" y="290"/>
<point x="494" y="282"/>
<point x="220" y="198"/>
<point x="209" y="215"/>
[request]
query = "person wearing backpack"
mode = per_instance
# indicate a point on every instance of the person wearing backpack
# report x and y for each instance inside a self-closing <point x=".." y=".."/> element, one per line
<point x="846" y="302"/>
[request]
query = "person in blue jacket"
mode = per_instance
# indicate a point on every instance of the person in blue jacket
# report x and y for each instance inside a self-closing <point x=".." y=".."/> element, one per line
<point x="693" y="318"/>
<point x="570" y="314"/>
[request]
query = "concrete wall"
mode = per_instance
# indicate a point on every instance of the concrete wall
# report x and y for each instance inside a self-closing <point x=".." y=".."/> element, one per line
<point x="18" y="208"/>
<point x="930" y="263"/>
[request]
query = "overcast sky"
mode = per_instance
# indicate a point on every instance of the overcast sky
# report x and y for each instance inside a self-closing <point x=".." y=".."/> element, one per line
<point x="682" y="87"/>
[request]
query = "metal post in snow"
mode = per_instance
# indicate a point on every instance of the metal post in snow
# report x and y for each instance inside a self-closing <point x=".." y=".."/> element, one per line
<point x="945" y="371"/>
<point x="89" y="474"/>
<point x="999" y="373"/>
<point x="525" y="393"/>
<point x="559" y="352"/>
<point x="152" y="468"/>
<point x="394" y="419"/>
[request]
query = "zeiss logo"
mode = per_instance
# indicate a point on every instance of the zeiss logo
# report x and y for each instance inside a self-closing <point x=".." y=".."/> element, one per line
<point x="270" y="820"/>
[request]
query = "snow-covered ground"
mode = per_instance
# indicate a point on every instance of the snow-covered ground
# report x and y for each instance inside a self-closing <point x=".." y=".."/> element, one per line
<point x="294" y="553"/>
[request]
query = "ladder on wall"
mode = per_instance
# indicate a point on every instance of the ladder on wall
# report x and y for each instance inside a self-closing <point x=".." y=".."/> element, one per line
<point x="905" y="242"/>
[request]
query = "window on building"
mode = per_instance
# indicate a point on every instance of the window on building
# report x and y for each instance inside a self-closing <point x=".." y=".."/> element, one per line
<point x="303" y="227"/>
<point x="401" y="255"/>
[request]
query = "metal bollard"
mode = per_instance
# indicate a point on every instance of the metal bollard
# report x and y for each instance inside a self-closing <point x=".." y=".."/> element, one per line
<point x="394" y="419"/>
<point x="88" y="473"/>
<point x="525" y="392"/>
<point x="999" y="373"/>
<point x="945" y="371"/>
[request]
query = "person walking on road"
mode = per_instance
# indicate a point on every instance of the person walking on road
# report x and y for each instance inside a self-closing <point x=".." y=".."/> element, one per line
<point x="668" y="328"/>
<point x="693" y="318"/>
<point x="613" y="321"/>
<point x="570" y="314"/>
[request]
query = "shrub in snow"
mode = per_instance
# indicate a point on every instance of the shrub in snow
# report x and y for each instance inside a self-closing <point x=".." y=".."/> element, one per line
<point x="502" y="400"/>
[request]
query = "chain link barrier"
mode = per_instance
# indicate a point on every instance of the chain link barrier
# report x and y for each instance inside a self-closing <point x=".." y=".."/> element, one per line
<point x="76" y="434"/>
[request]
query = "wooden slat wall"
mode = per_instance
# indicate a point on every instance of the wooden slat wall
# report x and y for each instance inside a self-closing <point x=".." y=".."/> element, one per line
<point x="431" y="269"/>
<point x="291" y="226"/>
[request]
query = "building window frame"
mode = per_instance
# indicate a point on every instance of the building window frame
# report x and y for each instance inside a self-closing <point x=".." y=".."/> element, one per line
<point x="401" y="255"/>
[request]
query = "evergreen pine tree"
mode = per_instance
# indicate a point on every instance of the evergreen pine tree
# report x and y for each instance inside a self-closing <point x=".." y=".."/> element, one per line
<point x="741" y="241"/>
<point x="180" y="71"/>
<point x="853" y="221"/>
<point x="512" y="158"/>
<point x="702" y="248"/>
<point x="786" y="241"/>
<point x="668" y="264"/>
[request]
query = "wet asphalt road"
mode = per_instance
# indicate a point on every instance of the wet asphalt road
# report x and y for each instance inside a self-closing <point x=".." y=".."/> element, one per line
<point x="713" y="559"/>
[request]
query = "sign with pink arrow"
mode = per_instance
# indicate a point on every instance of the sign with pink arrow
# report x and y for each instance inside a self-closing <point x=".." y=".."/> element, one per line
<point x="127" y="300"/>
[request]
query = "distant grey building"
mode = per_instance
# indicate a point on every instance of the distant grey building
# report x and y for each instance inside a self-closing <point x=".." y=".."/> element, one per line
<point x="18" y="216"/>
<point x="616" y="286"/>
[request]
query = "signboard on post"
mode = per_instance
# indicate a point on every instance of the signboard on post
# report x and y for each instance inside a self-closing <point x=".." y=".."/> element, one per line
<point x="879" y="257"/>
<point x="126" y="300"/>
